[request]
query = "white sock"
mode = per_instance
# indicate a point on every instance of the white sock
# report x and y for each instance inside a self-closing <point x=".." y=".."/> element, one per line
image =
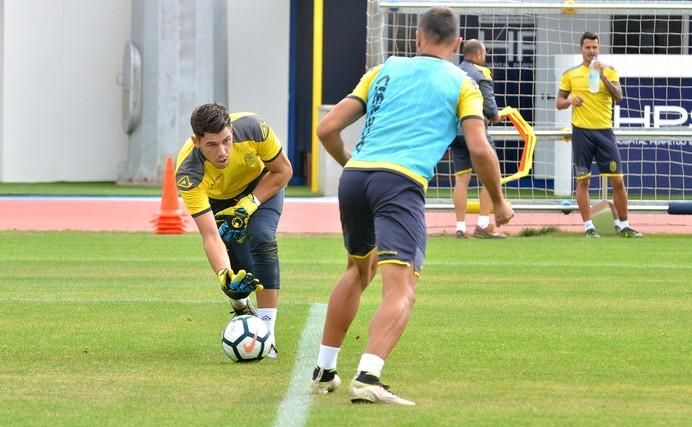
<point x="461" y="226"/>
<point x="483" y="221"/>
<point x="617" y="224"/>
<point x="624" y="224"/>
<point x="371" y="364"/>
<point x="326" y="359"/>
<point x="269" y="317"/>
<point x="588" y="224"/>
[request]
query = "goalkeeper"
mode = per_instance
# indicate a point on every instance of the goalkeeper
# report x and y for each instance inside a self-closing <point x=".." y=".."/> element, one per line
<point x="231" y="174"/>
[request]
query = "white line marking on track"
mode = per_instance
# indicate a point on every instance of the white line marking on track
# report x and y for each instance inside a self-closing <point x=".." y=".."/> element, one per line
<point x="295" y="407"/>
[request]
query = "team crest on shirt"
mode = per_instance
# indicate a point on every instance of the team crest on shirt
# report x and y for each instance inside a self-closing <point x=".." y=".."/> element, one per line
<point x="184" y="183"/>
<point x="613" y="166"/>
<point x="250" y="159"/>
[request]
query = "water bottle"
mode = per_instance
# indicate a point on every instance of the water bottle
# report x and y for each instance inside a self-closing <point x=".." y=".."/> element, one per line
<point x="594" y="77"/>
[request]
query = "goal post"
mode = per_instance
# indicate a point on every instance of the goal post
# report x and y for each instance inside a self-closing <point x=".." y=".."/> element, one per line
<point x="529" y="45"/>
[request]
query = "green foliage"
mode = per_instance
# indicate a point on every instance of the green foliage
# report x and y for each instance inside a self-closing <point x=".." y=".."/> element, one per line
<point x="124" y="329"/>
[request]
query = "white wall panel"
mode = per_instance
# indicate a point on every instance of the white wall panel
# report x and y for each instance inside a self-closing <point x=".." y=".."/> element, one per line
<point x="61" y="103"/>
<point x="258" y="67"/>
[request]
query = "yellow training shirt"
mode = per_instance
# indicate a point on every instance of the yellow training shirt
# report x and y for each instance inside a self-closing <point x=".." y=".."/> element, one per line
<point x="198" y="180"/>
<point x="597" y="110"/>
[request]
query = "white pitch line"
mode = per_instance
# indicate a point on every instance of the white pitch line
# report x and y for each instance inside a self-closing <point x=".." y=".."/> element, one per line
<point x="295" y="407"/>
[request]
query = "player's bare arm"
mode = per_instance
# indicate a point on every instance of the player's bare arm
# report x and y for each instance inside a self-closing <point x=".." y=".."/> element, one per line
<point x="613" y="88"/>
<point x="487" y="167"/>
<point x="565" y="101"/>
<point x="211" y="240"/>
<point x="280" y="172"/>
<point x="346" y="112"/>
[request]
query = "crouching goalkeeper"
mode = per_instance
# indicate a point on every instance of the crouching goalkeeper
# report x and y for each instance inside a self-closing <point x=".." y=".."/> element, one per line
<point x="231" y="174"/>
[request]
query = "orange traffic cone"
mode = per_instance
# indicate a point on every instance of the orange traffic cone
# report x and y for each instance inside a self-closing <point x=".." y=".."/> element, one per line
<point x="170" y="218"/>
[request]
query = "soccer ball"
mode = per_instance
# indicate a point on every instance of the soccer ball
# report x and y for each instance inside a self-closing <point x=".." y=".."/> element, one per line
<point x="246" y="339"/>
<point x="567" y="207"/>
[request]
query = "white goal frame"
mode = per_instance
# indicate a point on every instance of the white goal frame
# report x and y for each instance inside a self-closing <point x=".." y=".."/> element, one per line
<point x="546" y="135"/>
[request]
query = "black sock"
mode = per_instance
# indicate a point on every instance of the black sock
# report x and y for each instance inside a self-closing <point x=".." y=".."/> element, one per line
<point x="367" y="378"/>
<point x="327" y="374"/>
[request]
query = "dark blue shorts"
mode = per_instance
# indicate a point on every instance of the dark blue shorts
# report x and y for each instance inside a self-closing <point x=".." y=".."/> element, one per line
<point x="598" y="143"/>
<point x="461" y="156"/>
<point x="383" y="210"/>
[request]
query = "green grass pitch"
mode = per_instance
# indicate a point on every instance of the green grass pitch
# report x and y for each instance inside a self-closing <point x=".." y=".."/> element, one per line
<point x="116" y="329"/>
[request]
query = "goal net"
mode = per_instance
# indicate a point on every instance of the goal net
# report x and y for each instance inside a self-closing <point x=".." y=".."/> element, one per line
<point x="529" y="45"/>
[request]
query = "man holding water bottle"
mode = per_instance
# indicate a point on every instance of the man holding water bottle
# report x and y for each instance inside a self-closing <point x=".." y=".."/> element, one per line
<point x="590" y="89"/>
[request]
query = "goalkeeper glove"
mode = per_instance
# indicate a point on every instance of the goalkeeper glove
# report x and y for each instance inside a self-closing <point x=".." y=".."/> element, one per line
<point x="236" y="230"/>
<point x="236" y="219"/>
<point x="238" y="286"/>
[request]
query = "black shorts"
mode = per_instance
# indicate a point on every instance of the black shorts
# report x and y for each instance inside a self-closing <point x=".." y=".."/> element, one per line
<point x="598" y="143"/>
<point x="383" y="210"/>
<point x="461" y="156"/>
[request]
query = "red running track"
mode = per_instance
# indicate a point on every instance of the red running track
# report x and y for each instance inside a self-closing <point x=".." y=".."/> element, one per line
<point x="301" y="216"/>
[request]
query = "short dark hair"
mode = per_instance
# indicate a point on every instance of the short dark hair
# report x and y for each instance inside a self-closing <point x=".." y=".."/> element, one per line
<point x="472" y="47"/>
<point x="439" y="24"/>
<point x="588" y="36"/>
<point x="209" y="118"/>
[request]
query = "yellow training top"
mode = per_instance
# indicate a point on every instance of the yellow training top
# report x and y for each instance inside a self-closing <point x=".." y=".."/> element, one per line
<point x="597" y="110"/>
<point x="198" y="180"/>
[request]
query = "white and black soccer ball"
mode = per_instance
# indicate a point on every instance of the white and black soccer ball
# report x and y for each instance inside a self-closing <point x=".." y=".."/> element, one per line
<point x="246" y="339"/>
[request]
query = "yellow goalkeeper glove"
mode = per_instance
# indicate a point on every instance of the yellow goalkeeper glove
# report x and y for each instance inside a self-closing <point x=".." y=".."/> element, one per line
<point x="238" y="286"/>
<point x="235" y="219"/>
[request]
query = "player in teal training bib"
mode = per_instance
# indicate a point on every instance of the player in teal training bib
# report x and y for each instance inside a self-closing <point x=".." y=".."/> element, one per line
<point x="412" y="105"/>
<point x="412" y="108"/>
